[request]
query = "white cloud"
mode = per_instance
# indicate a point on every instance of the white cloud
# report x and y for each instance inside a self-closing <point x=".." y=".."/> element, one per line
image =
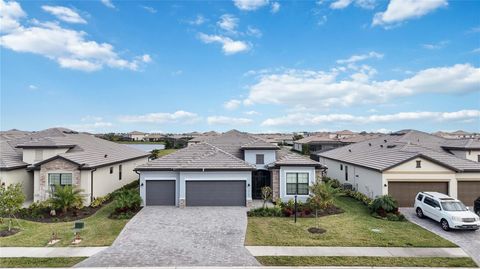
<point x="222" y="120"/>
<point x="341" y="4"/>
<point x="161" y="117"/>
<point x="361" y="57"/>
<point x="232" y="104"/>
<point x="322" y="20"/>
<point x="309" y="88"/>
<point x="229" y="46"/>
<point x="32" y="87"/>
<point x="251" y="113"/>
<point x="306" y="119"/>
<point x="149" y="9"/>
<point x="64" y="14"/>
<point x="477" y="50"/>
<point x="249" y="5"/>
<point x="252" y="31"/>
<point x="90" y="124"/>
<point x="228" y="23"/>
<point x="436" y="46"/>
<point x="108" y="3"/>
<point x="69" y="48"/>
<point x="10" y="13"/>
<point x="383" y="130"/>
<point x="275" y="7"/>
<point x="199" y="20"/>
<point x="401" y="10"/>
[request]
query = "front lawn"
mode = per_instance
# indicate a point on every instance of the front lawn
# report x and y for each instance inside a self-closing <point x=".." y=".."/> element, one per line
<point x="365" y="261"/>
<point x="99" y="231"/>
<point x="39" y="262"/>
<point x="353" y="228"/>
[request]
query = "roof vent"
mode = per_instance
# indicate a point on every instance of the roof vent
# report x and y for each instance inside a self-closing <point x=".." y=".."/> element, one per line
<point x="349" y="150"/>
<point x="391" y="146"/>
<point x="370" y="144"/>
<point x="105" y="156"/>
<point x="385" y="140"/>
<point x="381" y="146"/>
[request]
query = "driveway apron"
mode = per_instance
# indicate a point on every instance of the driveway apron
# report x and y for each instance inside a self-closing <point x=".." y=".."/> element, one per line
<point x="170" y="236"/>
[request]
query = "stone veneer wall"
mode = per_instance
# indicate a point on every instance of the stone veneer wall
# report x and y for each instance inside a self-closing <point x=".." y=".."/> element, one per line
<point x="275" y="183"/>
<point x="57" y="165"/>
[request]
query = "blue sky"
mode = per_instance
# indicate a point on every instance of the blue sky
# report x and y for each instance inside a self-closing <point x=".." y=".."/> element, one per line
<point x="256" y="65"/>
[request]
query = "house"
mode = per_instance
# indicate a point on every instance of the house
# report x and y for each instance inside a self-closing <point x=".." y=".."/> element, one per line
<point x="456" y="135"/>
<point x="402" y="164"/>
<point x="228" y="169"/>
<point x="41" y="160"/>
<point x="137" y="136"/>
<point x="320" y="143"/>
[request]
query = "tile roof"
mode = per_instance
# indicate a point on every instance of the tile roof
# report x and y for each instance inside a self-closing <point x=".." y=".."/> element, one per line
<point x="461" y="144"/>
<point x="388" y="151"/>
<point x="83" y="149"/>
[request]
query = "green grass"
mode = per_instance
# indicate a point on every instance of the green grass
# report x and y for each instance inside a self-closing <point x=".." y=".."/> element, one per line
<point x="352" y="228"/>
<point x="164" y="152"/>
<point x="99" y="231"/>
<point x="365" y="261"/>
<point x="39" y="262"/>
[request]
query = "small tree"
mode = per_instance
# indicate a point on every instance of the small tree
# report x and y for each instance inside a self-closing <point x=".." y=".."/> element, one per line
<point x="266" y="195"/>
<point x="66" y="197"/>
<point x="11" y="200"/>
<point x="154" y="154"/>
<point x="322" y="196"/>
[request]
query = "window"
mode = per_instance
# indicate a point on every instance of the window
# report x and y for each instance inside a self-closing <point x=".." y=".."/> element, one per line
<point x="429" y="201"/>
<point x="420" y="197"/>
<point x="341" y="167"/>
<point x="111" y="170"/>
<point x="419" y="164"/>
<point x="120" y="172"/>
<point x="38" y="155"/>
<point x="260" y="159"/>
<point x="478" y="158"/>
<point x="62" y="179"/>
<point x="297" y="183"/>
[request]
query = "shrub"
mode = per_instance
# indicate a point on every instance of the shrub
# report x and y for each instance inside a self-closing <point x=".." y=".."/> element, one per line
<point x="392" y="217"/>
<point x="383" y="205"/>
<point x="66" y="197"/>
<point x="127" y="200"/>
<point x="36" y="209"/>
<point x="266" y="212"/>
<point x="98" y="201"/>
<point x="11" y="200"/>
<point x="358" y="196"/>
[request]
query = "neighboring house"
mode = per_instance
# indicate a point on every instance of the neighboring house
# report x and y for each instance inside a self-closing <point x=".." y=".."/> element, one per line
<point x="322" y="143"/>
<point x="137" y="136"/>
<point x="402" y="164"/>
<point x="277" y="139"/>
<point x="229" y="169"/>
<point x="456" y="135"/>
<point x="54" y="156"/>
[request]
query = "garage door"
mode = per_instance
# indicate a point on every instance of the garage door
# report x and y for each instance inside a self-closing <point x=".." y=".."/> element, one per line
<point x="215" y="193"/>
<point x="160" y="192"/>
<point x="468" y="191"/>
<point x="404" y="192"/>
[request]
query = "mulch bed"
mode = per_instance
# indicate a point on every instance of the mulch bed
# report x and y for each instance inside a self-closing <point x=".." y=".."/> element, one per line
<point x="71" y="215"/>
<point x="315" y="230"/>
<point x="331" y="210"/>
<point x="5" y="233"/>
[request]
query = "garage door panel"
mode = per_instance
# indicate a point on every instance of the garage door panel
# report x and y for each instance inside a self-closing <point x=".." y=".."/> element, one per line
<point x="468" y="191"/>
<point x="215" y="193"/>
<point x="404" y="192"/>
<point x="160" y="192"/>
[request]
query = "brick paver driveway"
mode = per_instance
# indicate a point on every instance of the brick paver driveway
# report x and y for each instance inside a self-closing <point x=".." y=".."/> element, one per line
<point x="170" y="236"/>
<point x="469" y="241"/>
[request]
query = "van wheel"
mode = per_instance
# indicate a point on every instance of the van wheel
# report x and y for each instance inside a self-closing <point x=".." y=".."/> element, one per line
<point x="420" y="213"/>
<point x="444" y="224"/>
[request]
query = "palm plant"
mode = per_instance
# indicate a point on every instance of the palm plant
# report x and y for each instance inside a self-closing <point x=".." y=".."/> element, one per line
<point x="66" y="197"/>
<point x="322" y="196"/>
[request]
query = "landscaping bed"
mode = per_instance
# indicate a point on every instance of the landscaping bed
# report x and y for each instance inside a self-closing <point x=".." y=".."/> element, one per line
<point x="365" y="261"/>
<point x="355" y="228"/>
<point x="6" y="232"/>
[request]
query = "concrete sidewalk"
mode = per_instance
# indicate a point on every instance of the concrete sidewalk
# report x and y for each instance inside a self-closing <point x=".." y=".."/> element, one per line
<point x="49" y="252"/>
<point x="357" y="251"/>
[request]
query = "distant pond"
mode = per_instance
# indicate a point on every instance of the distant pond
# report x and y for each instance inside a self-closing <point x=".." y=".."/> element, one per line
<point x="146" y="147"/>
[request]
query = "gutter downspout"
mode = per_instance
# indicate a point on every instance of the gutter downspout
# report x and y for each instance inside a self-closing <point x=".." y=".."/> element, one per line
<point x="91" y="184"/>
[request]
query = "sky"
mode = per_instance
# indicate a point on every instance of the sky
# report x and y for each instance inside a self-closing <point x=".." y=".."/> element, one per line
<point x="256" y="65"/>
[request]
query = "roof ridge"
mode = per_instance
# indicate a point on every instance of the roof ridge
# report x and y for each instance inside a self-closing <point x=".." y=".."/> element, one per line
<point x="229" y="154"/>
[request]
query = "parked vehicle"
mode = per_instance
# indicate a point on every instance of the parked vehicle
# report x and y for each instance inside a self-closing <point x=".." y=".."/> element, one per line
<point x="476" y="207"/>
<point x="450" y="212"/>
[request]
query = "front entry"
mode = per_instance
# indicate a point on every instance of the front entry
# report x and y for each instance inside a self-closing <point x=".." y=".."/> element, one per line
<point x="260" y="179"/>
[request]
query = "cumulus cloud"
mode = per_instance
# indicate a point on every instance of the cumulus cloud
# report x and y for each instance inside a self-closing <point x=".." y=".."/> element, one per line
<point x="361" y="57"/>
<point x="232" y="104"/>
<point x="275" y="7"/>
<point x="307" y="119"/>
<point x="223" y="120"/>
<point x="310" y="88"/>
<point x="64" y="14"/>
<point x="251" y="113"/>
<point x="69" y="48"/>
<point x="228" y="23"/>
<point x="402" y="10"/>
<point x="252" y="31"/>
<point x="199" y="20"/>
<point x="108" y="3"/>
<point x="229" y="46"/>
<point x="162" y="117"/>
<point x="249" y="5"/>
<point x="341" y="4"/>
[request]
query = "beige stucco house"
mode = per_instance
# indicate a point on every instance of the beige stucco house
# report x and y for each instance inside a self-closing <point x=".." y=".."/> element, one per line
<point x="40" y="160"/>
<point x="405" y="163"/>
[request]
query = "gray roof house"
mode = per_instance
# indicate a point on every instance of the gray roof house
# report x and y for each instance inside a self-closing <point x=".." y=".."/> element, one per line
<point x="404" y="163"/>
<point x="228" y="169"/>
<point x="40" y="160"/>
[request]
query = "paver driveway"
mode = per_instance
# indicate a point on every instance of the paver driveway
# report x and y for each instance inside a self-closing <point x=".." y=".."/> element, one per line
<point x="469" y="241"/>
<point x="170" y="236"/>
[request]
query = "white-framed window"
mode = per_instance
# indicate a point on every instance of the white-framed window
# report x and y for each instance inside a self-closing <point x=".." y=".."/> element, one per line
<point x="61" y="179"/>
<point x="260" y="159"/>
<point x="297" y="184"/>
